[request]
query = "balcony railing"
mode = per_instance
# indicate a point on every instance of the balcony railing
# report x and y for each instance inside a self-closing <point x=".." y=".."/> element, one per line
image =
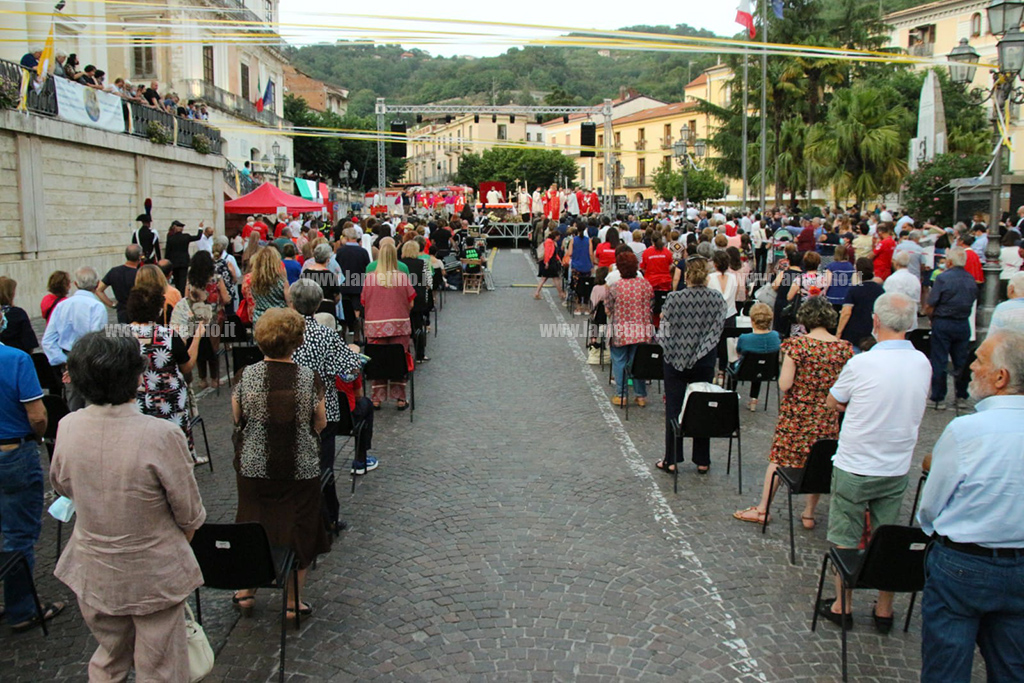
<point x="137" y="117"/>
<point x="641" y="144"/>
<point x="635" y="181"/>
<point x="229" y="102"/>
<point x="922" y="49"/>
<point x="666" y="143"/>
<point x="242" y="182"/>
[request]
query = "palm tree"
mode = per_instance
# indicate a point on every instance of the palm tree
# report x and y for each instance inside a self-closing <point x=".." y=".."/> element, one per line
<point x="790" y="164"/>
<point x="860" y="147"/>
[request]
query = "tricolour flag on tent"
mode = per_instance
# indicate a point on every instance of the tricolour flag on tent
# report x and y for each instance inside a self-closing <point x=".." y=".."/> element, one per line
<point x="45" y="66"/>
<point x="745" y="18"/>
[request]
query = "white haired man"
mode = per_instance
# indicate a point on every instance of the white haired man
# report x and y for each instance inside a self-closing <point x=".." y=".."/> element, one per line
<point x="950" y="305"/>
<point x="903" y="281"/>
<point x="1009" y="315"/>
<point x="71" y="320"/>
<point x="973" y="507"/>
<point x="883" y="393"/>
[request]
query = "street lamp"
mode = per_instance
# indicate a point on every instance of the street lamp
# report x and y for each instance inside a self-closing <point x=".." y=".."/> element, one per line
<point x="681" y="151"/>
<point x="1004" y="17"/>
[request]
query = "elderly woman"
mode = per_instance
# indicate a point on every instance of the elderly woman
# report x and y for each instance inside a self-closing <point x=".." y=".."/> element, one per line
<point x="317" y="271"/>
<point x="17" y="332"/>
<point x="269" y="284"/>
<point x="163" y="391"/>
<point x="692" y="321"/>
<point x="629" y="306"/>
<point x="323" y="351"/>
<point x="811" y="364"/>
<point x="279" y="408"/>
<point x="387" y="300"/>
<point x="137" y="503"/>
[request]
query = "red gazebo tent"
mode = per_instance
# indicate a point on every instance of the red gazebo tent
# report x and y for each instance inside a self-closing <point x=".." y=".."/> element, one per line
<point x="267" y="198"/>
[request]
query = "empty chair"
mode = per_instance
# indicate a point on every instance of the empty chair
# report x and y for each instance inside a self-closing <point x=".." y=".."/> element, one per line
<point x="709" y="415"/>
<point x="239" y="556"/>
<point x="893" y="561"/>
<point x="814" y="477"/>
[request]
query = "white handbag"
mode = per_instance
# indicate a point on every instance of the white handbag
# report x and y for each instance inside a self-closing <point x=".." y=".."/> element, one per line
<point x="200" y="654"/>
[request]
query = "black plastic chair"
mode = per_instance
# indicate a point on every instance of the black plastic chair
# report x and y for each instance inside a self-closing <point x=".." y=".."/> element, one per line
<point x="198" y="420"/>
<point x="647" y="365"/>
<point x="239" y="556"/>
<point x="893" y="561"/>
<point x="917" y="497"/>
<point x="814" y="477"/>
<point x="921" y="338"/>
<point x="759" y="367"/>
<point x="388" y="362"/>
<point x="658" y="303"/>
<point x="350" y="427"/>
<point x="56" y="409"/>
<point x="709" y="415"/>
<point x="598" y="319"/>
<point x="243" y="356"/>
<point x="10" y="562"/>
<point x="47" y="374"/>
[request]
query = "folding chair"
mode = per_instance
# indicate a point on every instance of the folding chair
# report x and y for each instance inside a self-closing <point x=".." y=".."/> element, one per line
<point x="350" y="427"/>
<point x="239" y="556"/>
<point x="759" y="367"/>
<point x="11" y="561"/>
<point x="709" y="415"/>
<point x="56" y="409"/>
<point x="646" y="365"/>
<point x="388" y="362"/>
<point x="814" y="477"/>
<point x="471" y="282"/>
<point x="657" y="304"/>
<point x="242" y="356"/>
<point x="921" y="338"/>
<point x="198" y="420"/>
<point x="598" y="319"/>
<point x="893" y="561"/>
<point x="917" y="496"/>
<point x="47" y="374"/>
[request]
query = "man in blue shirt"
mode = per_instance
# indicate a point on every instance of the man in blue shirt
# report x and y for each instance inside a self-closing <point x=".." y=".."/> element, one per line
<point x="22" y="422"/>
<point x="72" y="319"/>
<point x="973" y="507"/>
<point x="950" y="303"/>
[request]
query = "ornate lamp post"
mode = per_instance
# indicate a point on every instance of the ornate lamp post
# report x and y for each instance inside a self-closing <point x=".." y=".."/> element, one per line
<point x="681" y="151"/>
<point x="1004" y="17"/>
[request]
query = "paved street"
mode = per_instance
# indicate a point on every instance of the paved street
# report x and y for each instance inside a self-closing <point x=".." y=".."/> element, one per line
<point x="517" y="530"/>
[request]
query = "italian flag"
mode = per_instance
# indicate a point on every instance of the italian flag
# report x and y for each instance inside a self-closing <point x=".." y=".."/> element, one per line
<point x="745" y="18"/>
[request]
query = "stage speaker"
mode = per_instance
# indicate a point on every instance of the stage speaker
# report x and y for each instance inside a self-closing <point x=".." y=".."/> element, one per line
<point x="565" y="119"/>
<point x="588" y="137"/>
<point x="398" y="146"/>
<point x="476" y="118"/>
<point x="494" y="118"/>
<point x="511" y="119"/>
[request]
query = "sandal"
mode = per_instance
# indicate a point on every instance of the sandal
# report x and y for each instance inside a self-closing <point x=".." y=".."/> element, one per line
<point x="808" y="522"/>
<point x="304" y="611"/>
<point x="376" y="405"/>
<point x="244" y="604"/>
<point x="665" y="467"/>
<point x="536" y="296"/>
<point x="703" y="469"/>
<point x="402" y="405"/>
<point x="50" y="610"/>
<point x="745" y="516"/>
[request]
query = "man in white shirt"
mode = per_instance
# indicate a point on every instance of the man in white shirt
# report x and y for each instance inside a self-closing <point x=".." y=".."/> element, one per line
<point x="1009" y="315"/>
<point x="912" y="246"/>
<point x="72" y="319"/>
<point x="883" y="393"/>
<point x="905" y="222"/>
<point x="980" y="241"/>
<point x="902" y="281"/>
<point x="205" y="243"/>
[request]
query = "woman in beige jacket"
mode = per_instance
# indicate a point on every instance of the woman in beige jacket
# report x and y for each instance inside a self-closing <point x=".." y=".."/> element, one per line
<point x="130" y="477"/>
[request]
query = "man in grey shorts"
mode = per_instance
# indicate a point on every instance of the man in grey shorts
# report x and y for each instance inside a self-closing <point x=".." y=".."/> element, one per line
<point x="883" y="393"/>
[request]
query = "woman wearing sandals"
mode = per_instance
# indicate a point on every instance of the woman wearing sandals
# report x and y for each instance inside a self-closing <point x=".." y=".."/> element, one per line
<point x="550" y="264"/>
<point x="279" y="409"/>
<point x="811" y="364"/>
<point x="387" y="300"/>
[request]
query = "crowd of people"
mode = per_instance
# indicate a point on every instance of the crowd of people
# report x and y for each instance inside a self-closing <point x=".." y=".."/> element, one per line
<point x="68" y="66"/>
<point x="838" y="297"/>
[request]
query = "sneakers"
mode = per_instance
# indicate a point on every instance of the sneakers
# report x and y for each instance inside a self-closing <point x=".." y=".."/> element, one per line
<point x="202" y="460"/>
<point x="360" y="468"/>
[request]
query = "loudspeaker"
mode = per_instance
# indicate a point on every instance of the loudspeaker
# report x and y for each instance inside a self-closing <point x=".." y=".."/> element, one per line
<point x="588" y="137"/>
<point x="511" y="119"/>
<point x="565" y="119"/>
<point x="476" y="118"/>
<point x="398" y="146"/>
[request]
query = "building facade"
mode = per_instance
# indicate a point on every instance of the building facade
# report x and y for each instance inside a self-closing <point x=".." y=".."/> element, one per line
<point x="319" y="96"/>
<point x="434" y="148"/>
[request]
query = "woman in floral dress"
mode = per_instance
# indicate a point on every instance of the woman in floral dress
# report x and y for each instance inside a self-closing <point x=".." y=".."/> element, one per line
<point x="163" y="391"/>
<point x="810" y="366"/>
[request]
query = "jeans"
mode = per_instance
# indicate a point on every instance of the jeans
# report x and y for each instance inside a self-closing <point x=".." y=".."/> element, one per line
<point x="676" y="382"/>
<point x="950" y="338"/>
<point x="363" y="412"/>
<point x="328" y="437"/>
<point x="622" y="357"/>
<point x="969" y="599"/>
<point x="21" y="514"/>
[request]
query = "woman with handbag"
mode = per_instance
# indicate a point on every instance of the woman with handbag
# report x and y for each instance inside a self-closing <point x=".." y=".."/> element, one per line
<point x="550" y="264"/>
<point x="138" y="505"/>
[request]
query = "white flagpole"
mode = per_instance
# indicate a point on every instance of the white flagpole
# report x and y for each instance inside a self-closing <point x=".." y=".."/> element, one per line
<point x="744" y="139"/>
<point x="764" y="103"/>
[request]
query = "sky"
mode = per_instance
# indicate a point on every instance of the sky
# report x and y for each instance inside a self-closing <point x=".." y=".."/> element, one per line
<point x="324" y="22"/>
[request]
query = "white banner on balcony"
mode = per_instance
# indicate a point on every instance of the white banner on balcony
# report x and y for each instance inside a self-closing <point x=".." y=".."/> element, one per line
<point x="88" y="107"/>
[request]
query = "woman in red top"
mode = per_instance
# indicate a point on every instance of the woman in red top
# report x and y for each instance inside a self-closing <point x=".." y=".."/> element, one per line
<point x="884" y="249"/>
<point x="57" y="288"/>
<point x="604" y="254"/>
<point x="656" y="263"/>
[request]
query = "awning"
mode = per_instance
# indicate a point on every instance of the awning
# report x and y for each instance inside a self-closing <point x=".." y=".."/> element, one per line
<point x="267" y="198"/>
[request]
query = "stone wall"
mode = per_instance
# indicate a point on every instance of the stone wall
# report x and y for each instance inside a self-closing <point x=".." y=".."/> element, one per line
<point x="69" y="195"/>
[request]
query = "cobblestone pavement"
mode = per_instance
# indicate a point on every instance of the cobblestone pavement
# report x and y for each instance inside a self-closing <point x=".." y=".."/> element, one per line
<point x="517" y="530"/>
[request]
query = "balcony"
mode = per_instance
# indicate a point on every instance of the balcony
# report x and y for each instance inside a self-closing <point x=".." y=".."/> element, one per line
<point x="641" y="144"/>
<point x="635" y="181"/>
<point x="230" y="103"/>
<point x="666" y="143"/>
<point x="137" y="117"/>
<point x="243" y="183"/>
<point x="922" y="49"/>
<point x="616" y="145"/>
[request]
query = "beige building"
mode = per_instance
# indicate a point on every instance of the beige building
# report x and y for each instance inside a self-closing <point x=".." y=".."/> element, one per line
<point x="434" y="149"/>
<point x="319" y="96"/>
